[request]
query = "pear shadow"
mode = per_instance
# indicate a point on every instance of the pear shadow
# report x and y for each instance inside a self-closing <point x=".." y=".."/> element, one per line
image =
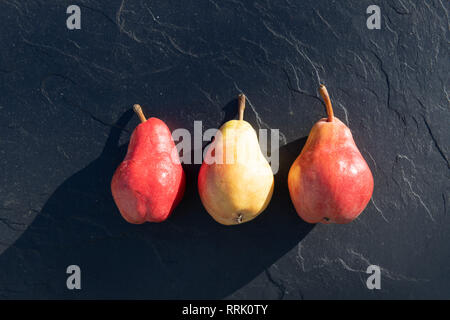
<point x="230" y="111"/>
<point x="189" y="256"/>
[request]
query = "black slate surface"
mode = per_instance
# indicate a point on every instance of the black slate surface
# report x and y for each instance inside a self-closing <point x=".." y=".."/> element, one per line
<point x="66" y="95"/>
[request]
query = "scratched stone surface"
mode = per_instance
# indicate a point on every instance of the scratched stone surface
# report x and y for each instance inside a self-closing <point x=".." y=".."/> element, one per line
<point x="65" y="121"/>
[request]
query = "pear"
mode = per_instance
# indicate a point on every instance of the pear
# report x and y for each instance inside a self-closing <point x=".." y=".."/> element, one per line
<point x="235" y="181"/>
<point x="150" y="181"/>
<point x="330" y="182"/>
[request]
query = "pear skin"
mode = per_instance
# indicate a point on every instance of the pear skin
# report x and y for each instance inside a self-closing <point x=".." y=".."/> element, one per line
<point x="330" y="182"/>
<point x="235" y="182"/>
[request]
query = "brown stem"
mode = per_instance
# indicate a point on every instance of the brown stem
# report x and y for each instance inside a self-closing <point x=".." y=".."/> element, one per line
<point x="241" y="99"/>
<point x="326" y="98"/>
<point x="137" y="108"/>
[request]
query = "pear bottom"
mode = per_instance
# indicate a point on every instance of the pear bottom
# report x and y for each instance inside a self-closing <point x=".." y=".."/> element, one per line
<point x="234" y="194"/>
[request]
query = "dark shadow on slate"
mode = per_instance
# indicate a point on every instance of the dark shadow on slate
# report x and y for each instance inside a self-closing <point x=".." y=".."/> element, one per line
<point x="187" y="256"/>
<point x="230" y="111"/>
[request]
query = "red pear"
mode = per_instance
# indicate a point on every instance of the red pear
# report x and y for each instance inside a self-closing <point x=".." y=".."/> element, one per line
<point x="330" y="182"/>
<point x="150" y="181"/>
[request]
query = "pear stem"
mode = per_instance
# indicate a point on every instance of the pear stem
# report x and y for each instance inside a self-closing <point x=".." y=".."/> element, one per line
<point x="241" y="99"/>
<point x="137" y="108"/>
<point x="326" y="98"/>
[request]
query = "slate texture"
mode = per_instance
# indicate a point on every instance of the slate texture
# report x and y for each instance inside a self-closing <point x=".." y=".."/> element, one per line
<point x="65" y="120"/>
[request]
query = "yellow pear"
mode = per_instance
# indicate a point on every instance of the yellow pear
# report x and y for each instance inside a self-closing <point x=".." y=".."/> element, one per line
<point x="235" y="180"/>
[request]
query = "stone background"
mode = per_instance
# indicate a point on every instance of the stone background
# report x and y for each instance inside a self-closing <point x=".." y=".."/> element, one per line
<point x="65" y="120"/>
